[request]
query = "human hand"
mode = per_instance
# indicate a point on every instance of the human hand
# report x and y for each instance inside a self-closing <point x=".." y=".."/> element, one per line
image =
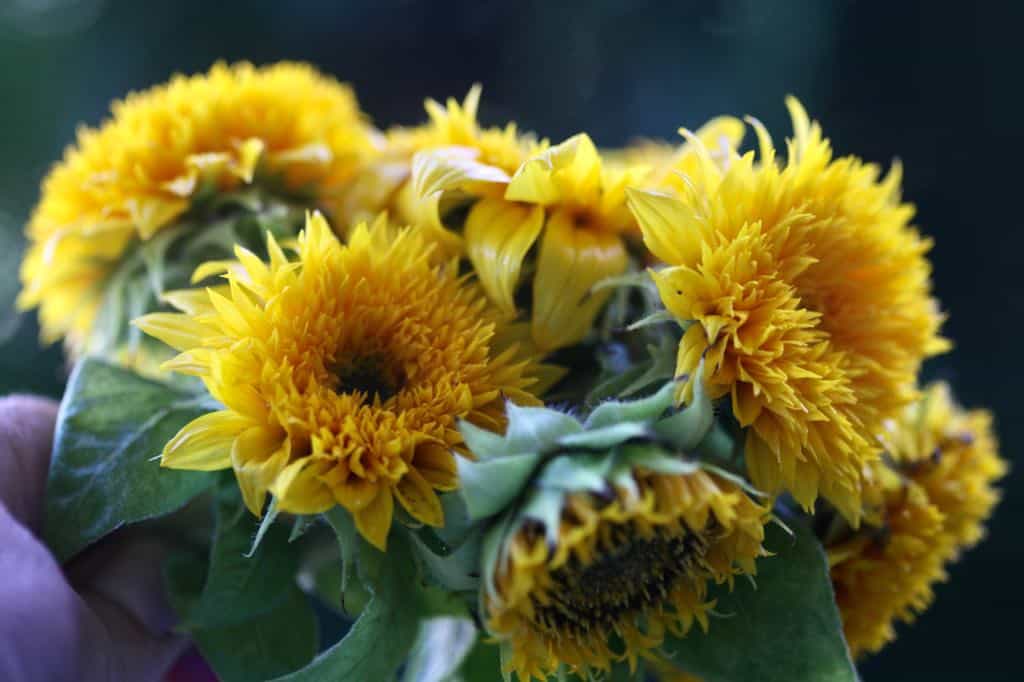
<point x="103" y="617"/>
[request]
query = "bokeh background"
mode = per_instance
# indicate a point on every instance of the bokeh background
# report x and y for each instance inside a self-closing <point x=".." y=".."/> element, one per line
<point x="935" y="84"/>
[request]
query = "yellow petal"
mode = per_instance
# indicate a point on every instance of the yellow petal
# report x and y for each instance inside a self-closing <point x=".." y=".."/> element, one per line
<point x="419" y="499"/>
<point x="299" y="490"/>
<point x="354" y="493"/>
<point x="204" y="444"/>
<point x="249" y="154"/>
<point x="149" y="215"/>
<point x="436" y="463"/>
<point x="498" y="236"/>
<point x="178" y="331"/>
<point x="661" y="219"/>
<point x="442" y="170"/>
<point x="191" y="301"/>
<point x="571" y="261"/>
<point x="257" y="457"/>
<point x="374" y="521"/>
<point x="536" y="180"/>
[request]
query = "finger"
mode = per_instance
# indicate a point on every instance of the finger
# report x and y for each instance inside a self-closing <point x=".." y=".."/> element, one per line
<point x="26" y="438"/>
<point x="126" y="569"/>
<point x="49" y="632"/>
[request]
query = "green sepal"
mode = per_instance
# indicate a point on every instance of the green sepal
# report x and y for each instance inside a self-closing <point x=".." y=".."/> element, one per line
<point x="605" y="437"/>
<point x="654" y="458"/>
<point x="687" y="428"/>
<point x="645" y="409"/>
<point x="536" y="429"/>
<point x="545" y="507"/>
<point x="111" y="427"/>
<point x="655" y="318"/>
<point x="488" y="486"/>
<point x="576" y="472"/>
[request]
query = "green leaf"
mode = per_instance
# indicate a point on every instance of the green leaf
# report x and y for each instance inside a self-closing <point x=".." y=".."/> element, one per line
<point x="786" y="628"/>
<point x="488" y="486"/>
<point x="377" y="644"/>
<point x="644" y="409"/>
<point x="441" y="647"/>
<point x="111" y="427"/>
<point x="239" y="587"/>
<point x="482" y="664"/>
<point x="280" y="640"/>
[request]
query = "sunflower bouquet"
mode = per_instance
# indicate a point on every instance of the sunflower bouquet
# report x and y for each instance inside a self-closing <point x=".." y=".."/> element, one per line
<point x="452" y="402"/>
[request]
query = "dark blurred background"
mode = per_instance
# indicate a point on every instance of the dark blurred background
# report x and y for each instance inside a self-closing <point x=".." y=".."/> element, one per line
<point x="935" y="84"/>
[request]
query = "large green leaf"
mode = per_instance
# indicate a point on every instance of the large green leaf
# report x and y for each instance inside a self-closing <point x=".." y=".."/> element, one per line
<point x="441" y="647"/>
<point x="378" y="642"/>
<point x="273" y="643"/>
<point x="111" y="427"/>
<point x="239" y="587"/>
<point x="786" y="628"/>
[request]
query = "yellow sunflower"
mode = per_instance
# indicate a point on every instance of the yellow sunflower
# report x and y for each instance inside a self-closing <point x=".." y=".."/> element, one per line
<point x="621" y="573"/>
<point x="954" y="456"/>
<point x="884" y="571"/>
<point x="809" y="294"/>
<point x="283" y="127"/>
<point x="342" y="374"/>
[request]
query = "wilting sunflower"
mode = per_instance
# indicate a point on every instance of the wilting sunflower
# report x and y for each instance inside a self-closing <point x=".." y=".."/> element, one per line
<point x="622" y="572"/>
<point x="484" y="157"/>
<point x="571" y="202"/>
<point x="953" y="455"/>
<point x="810" y="294"/>
<point x="342" y="374"/>
<point x="124" y="191"/>
<point x="884" y="571"/>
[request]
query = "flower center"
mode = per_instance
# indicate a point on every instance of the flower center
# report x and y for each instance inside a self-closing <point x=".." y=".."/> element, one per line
<point x="628" y="574"/>
<point x="371" y="374"/>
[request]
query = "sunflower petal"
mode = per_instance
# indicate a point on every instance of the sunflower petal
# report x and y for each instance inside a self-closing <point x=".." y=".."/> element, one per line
<point x="374" y="521"/>
<point x="419" y="499"/>
<point x="178" y="331"/>
<point x="498" y="236"/>
<point x="257" y="457"/>
<point x="299" y="490"/>
<point x="571" y="261"/>
<point x="204" y="444"/>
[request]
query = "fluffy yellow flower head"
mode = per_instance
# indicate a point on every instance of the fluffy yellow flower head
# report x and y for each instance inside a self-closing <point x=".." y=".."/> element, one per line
<point x="810" y="297"/>
<point x="342" y="374"/>
<point x="885" y="571"/>
<point x="954" y="456"/>
<point x="139" y="172"/>
<point x="630" y="569"/>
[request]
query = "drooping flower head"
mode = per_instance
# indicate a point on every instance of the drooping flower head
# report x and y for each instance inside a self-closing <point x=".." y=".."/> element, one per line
<point x="123" y="193"/>
<point x="810" y="294"/>
<point x="884" y="571"/>
<point x="342" y="374"/>
<point x="925" y="503"/>
<point x="622" y="572"/>
<point x="954" y="456"/>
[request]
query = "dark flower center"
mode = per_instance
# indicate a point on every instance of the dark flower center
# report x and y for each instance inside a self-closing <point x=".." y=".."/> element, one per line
<point x="371" y="374"/>
<point x="628" y="574"/>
